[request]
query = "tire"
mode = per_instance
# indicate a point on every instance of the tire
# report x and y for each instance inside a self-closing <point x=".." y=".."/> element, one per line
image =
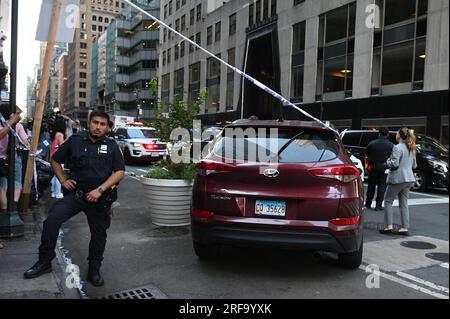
<point x="421" y="182"/>
<point x="127" y="157"/>
<point x="351" y="260"/>
<point x="206" y="252"/>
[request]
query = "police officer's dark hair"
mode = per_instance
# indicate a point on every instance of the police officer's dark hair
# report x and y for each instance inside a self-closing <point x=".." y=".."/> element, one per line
<point x="383" y="132"/>
<point x="99" y="113"/>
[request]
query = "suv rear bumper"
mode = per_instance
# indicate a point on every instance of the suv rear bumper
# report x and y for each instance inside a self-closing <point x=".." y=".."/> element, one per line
<point x="312" y="240"/>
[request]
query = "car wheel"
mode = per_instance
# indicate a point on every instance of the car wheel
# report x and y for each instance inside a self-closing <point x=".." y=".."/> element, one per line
<point x="127" y="157"/>
<point x="205" y="252"/>
<point x="351" y="260"/>
<point x="420" y="185"/>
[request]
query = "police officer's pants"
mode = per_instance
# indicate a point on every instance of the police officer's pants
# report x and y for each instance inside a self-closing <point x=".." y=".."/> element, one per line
<point x="377" y="179"/>
<point x="60" y="212"/>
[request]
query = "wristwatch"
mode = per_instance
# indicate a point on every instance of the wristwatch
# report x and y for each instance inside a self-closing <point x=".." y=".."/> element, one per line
<point x="101" y="190"/>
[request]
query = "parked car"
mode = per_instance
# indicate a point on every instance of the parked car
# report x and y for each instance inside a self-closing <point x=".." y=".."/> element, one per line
<point x="432" y="156"/>
<point x="312" y="199"/>
<point x="139" y="143"/>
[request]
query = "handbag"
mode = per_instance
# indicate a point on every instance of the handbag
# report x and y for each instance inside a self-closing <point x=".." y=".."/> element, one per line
<point x="4" y="167"/>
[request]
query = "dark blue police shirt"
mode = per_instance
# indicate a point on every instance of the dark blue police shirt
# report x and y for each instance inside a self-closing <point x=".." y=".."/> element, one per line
<point x="90" y="163"/>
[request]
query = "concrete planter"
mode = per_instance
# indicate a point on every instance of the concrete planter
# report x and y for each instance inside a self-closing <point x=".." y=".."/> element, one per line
<point x="169" y="201"/>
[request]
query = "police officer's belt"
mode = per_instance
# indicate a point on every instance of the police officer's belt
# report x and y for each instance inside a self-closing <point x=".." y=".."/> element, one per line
<point x="108" y="197"/>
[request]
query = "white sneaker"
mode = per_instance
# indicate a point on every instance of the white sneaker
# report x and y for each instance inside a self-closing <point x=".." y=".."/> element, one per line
<point x="59" y="196"/>
<point x="53" y="195"/>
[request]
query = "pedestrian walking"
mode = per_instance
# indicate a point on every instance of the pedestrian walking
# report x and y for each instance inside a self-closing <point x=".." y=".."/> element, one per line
<point x="400" y="180"/>
<point x="96" y="166"/>
<point x="57" y="136"/>
<point x="377" y="153"/>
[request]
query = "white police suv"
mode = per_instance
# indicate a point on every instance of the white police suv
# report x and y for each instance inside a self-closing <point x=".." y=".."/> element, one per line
<point x="139" y="143"/>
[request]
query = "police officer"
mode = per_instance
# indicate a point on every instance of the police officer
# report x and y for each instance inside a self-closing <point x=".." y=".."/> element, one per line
<point x="96" y="166"/>
<point x="377" y="153"/>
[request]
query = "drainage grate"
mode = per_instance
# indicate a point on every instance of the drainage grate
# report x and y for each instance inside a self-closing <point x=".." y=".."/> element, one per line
<point x="443" y="257"/>
<point x="418" y="245"/>
<point x="147" y="292"/>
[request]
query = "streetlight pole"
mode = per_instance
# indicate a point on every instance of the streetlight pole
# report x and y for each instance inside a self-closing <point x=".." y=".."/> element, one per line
<point x="10" y="223"/>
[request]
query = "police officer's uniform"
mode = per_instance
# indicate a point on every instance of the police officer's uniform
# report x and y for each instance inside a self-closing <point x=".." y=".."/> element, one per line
<point x="91" y="164"/>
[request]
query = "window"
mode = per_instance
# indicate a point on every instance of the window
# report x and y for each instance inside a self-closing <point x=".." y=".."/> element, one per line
<point x="399" y="52"/>
<point x="194" y="81"/>
<point x="199" y="12"/>
<point x="94" y="18"/>
<point x="178" y="85"/>
<point x="230" y="80"/>
<point x="165" y="91"/>
<point x="83" y="36"/>
<point x="209" y="35"/>
<point x="177" y="51"/>
<point x="198" y="39"/>
<point x="83" y="26"/>
<point x="94" y="27"/>
<point x="106" y="20"/>
<point x="335" y="56"/>
<point x="192" y="17"/>
<point x="273" y="9"/>
<point x="258" y="11"/>
<point x="165" y="11"/>
<point x="298" y="61"/>
<point x="83" y="55"/>
<point x="265" y="9"/>
<point x="218" y="31"/>
<point x="83" y="65"/>
<point x="183" y="23"/>
<point x="177" y="25"/>
<point x="251" y="14"/>
<point x="83" y="45"/>
<point x="191" y="46"/>
<point x="182" y="49"/>
<point x="82" y="85"/>
<point x="213" y="85"/>
<point x="164" y="58"/>
<point x="164" y="35"/>
<point x="169" y="55"/>
<point x="170" y="7"/>
<point x="232" y="29"/>
<point x="100" y="28"/>
<point x="297" y="2"/>
<point x="177" y="4"/>
<point x="100" y="19"/>
<point x="82" y="95"/>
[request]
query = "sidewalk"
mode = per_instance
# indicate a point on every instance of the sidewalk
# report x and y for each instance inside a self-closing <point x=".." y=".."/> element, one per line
<point x="21" y="253"/>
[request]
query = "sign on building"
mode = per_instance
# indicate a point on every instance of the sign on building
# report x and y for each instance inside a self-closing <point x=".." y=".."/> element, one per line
<point x="67" y="23"/>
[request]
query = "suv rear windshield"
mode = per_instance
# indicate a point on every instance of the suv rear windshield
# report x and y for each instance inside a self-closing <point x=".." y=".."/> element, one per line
<point x="307" y="147"/>
<point x="141" y="133"/>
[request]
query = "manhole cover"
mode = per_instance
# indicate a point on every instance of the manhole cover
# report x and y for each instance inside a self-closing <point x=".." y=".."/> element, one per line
<point x="418" y="245"/>
<point x="164" y="232"/>
<point x="438" y="256"/>
<point x="147" y="292"/>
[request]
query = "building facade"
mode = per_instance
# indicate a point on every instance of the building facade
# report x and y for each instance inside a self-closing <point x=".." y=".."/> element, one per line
<point x="359" y="64"/>
<point x="95" y="17"/>
<point x="124" y="61"/>
<point x="4" y="28"/>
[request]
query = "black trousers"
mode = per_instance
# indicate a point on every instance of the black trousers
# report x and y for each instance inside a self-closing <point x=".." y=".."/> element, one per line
<point x="60" y="212"/>
<point x="377" y="179"/>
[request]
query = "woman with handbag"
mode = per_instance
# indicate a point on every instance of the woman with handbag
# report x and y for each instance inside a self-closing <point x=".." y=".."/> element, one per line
<point x="57" y="136"/>
<point x="400" y="180"/>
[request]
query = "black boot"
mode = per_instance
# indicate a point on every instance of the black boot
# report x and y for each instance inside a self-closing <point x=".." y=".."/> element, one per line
<point x="38" y="269"/>
<point x="94" y="277"/>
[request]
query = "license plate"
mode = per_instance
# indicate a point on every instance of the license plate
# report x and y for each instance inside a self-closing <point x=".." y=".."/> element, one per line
<point x="155" y="154"/>
<point x="270" y="208"/>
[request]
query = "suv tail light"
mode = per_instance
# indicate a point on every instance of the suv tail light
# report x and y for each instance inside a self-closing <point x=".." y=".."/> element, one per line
<point x="209" y="167"/>
<point x="346" y="221"/>
<point x="342" y="173"/>
<point x="150" y="146"/>
<point x="200" y="213"/>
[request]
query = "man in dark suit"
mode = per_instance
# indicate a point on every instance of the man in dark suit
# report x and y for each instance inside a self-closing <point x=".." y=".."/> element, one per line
<point x="377" y="153"/>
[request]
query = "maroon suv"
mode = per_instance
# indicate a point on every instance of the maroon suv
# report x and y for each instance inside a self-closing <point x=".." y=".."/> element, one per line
<point x="310" y="199"/>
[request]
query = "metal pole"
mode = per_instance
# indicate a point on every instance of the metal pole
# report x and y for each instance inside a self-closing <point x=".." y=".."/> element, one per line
<point x="10" y="223"/>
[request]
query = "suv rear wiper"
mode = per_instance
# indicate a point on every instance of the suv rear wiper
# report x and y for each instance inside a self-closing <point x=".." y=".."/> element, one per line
<point x="285" y="146"/>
